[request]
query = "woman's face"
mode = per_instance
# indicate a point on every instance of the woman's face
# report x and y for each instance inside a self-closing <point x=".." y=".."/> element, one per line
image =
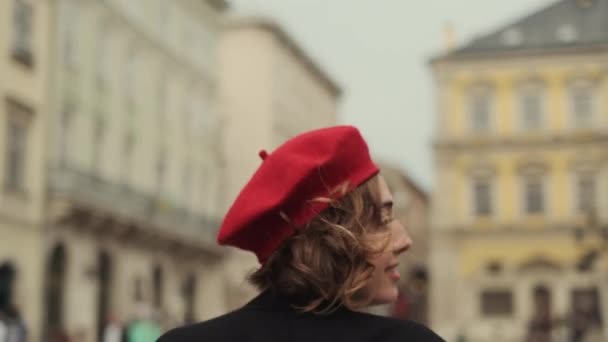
<point x="383" y="284"/>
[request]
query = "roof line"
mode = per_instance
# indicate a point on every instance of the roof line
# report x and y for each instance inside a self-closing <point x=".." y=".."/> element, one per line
<point x="273" y="27"/>
<point x="529" y="52"/>
<point x="494" y="30"/>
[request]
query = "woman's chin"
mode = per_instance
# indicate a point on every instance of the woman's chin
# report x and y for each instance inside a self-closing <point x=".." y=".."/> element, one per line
<point x="386" y="296"/>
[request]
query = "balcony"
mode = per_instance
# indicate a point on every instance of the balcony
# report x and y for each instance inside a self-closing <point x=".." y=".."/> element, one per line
<point x="74" y="189"/>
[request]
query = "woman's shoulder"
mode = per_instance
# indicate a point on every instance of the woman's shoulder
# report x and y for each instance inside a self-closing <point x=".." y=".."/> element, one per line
<point x="205" y="330"/>
<point x="399" y="329"/>
<point x="358" y="326"/>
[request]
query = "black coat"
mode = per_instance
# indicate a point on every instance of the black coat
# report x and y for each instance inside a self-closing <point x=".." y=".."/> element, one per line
<point x="269" y="318"/>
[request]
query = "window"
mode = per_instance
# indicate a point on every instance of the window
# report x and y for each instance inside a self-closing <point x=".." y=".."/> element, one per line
<point x="163" y="13"/>
<point x="205" y="44"/>
<point x="187" y="180"/>
<point x="542" y="300"/>
<point x="512" y="37"/>
<point x="567" y="33"/>
<point x="586" y="193"/>
<point x="22" y="32"/>
<point x="192" y="116"/>
<point x="129" y="77"/>
<point x="534" y="195"/>
<point x="187" y="35"/>
<point x="17" y="126"/>
<point x="138" y="289"/>
<point x="70" y="22"/>
<point x="494" y="267"/>
<point x="161" y="98"/>
<point x="131" y="9"/>
<point x="129" y="142"/>
<point x="496" y="303"/>
<point x="160" y="171"/>
<point x="585" y="302"/>
<point x="480" y="112"/>
<point x="65" y="123"/>
<point x="98" y="135"/>
<point x="482" y="192"/>
<point x="204" y="120"/>
<point x="531" y="110"/>
<point x="101" y="57"/>
<point x="581" y="103"/>
<point x="187" y="128"/>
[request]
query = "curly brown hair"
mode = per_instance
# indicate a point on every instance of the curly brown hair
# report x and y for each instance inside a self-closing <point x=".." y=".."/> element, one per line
<point x="325" y="264"/>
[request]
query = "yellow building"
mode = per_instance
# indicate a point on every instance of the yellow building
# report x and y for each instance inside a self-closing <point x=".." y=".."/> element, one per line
<point x="521" y="181"/>
<point x="270" y="89"/>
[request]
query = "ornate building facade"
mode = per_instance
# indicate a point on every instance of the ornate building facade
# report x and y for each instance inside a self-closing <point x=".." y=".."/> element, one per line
<point x="113" y="162"/>
<point x="522" y="179"/>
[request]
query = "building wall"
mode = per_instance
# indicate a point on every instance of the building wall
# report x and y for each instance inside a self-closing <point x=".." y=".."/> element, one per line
<point x="21" y="210"/>
<point x="133" y="110"/>
<point x="140" y="79"/>
<point x="505" y="75"/>
<point x="130" y="264"/>
<point x="268" y="93"/>
<point x="300" y="100"/>
<point x="245" y="97"/>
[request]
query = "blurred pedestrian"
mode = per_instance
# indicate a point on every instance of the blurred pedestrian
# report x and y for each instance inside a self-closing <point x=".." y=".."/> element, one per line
<point x="319" y="218"/>
<point x="144" y="328"/>
<point x="59" y="335"/>
<point x="3" y="326"/>
<point x="113" y="330"/>
<point x="16" y="330"/>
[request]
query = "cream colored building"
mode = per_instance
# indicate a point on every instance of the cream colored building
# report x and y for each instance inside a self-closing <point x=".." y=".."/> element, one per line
<point x="269" y="90"/>
<point x="411" y="207"/>
<point x="521" y="179"/>
<point x="24" y="65"/>
<point x="113" y="190"/>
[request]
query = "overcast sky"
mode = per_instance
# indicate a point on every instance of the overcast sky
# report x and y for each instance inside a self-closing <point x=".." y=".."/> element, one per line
<point x="378" y="50"/>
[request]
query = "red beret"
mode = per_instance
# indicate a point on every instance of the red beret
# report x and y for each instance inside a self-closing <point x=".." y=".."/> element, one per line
<point x="311" y="165"/>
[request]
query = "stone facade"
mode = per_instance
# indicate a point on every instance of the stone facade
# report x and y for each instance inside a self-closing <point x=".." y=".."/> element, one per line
<point x="269" y="91"/>
<point x="113" y="162"/>
<point x="24" y="66"/>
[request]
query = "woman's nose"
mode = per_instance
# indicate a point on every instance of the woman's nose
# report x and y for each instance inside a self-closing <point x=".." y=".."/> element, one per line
<point x="404" y="242"/>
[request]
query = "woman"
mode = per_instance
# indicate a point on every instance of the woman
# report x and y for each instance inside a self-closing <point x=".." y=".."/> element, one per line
<point x="319" y="218"/>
